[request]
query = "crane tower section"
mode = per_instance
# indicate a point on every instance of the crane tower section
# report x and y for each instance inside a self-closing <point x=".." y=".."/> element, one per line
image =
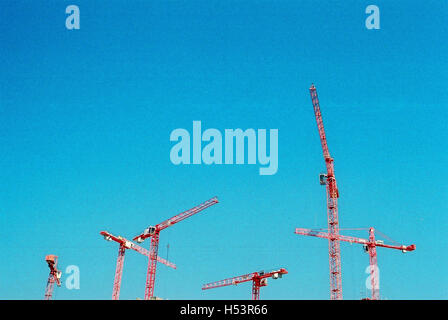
<point x="329" y="180"/>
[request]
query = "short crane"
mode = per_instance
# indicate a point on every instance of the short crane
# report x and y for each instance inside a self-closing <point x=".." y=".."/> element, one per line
<point x="54" y="276"/>
<point x="259" y="279"/>
<point x="153" y="232"/>
<point x="126" y="244"/>
<point x="369" y="246"/>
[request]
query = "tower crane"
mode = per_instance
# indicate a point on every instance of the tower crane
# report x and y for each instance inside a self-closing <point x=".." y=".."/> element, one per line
<point x="259" y="279"/>
<point x="329" y="180"/>
<point x="153" y="232"/>
<point x="54" y="276"/>
<point x="369" y="246"/>
<point x="124" y="245"/>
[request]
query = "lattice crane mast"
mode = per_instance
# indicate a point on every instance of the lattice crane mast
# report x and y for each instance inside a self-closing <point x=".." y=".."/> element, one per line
<point x="54" y="276"/>
<point x="124" y="245"/>
<point x="329" y="180"/>
<point x="259" y="279"/>
<point x="369" y="246"/>
<point x="153" y="232"/>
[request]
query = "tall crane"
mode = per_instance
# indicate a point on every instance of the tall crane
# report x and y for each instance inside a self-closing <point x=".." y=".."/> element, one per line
<point x="153" y="232"/>
<point x="54" y="276"/>
<point x="369" y="246"/>
<point x="124" y="245"/>
<point x="259" y="279"/>
<point x="329" y="180"/>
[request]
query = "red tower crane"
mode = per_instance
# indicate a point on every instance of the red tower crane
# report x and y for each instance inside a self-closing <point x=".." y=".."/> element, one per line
<point x="329" y="180"/>
<point x="54" y="276"/>
<point x="153" y="232"/>
<point x="369" y="245"/>
<point x="259" y="279"/>
<point x="126" y="244"/>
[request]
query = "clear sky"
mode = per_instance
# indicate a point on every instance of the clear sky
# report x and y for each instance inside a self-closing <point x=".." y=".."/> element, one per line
<point x="86" y="115"/>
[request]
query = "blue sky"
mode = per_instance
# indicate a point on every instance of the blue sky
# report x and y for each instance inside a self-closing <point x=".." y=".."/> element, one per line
<point x="86" y="115"/>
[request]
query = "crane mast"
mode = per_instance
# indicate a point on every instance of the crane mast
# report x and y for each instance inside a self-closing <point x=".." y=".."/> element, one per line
<point x="329" y="180"/>
<point x="152" y="265"/>
<point x="118" y="273"/>
<point x="374" y="279"/>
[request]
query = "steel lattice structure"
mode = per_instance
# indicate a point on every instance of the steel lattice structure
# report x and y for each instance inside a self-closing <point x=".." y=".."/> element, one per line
<point x="125" y="244"/>
<point x="153" y="232"/>
<point x="329" y="180"/>
<point x="54" y="276"/>
<point x="259" y="279"/>
<point x="370" y="246"/>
